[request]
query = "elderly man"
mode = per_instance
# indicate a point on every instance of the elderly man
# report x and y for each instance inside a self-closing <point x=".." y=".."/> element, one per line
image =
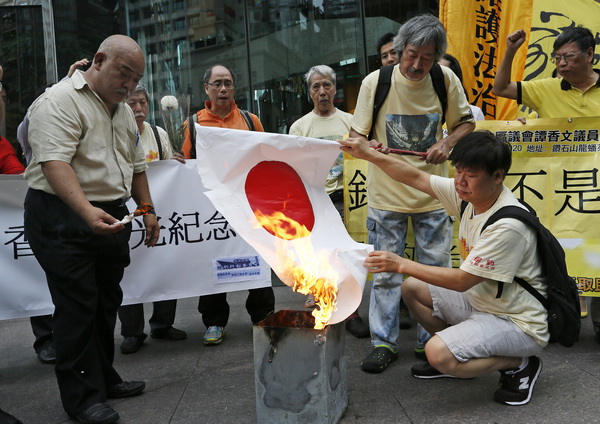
<point x="156" y="145"/>
<point x="575" y="93"/>
<point x="328" y="122"/>
<point x="410" y="118"/>
<point x="221" y="111"/>
<point x="86" y="163"/>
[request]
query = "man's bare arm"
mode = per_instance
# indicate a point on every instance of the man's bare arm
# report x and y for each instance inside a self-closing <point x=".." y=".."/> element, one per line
<point x="141" y="195"/>
<point x="503" y="86"/>
<point x="449" y="278"/>
<point x="393" y="166"/>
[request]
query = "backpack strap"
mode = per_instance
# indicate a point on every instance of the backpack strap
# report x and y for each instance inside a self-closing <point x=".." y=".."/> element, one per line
<point x="248" y="119"/>
<point x="439" y="85"/>
<point x="531" y="221"/>
<point x="532" y="291"/>
<point x="192" y="119"/>
<point x="158" y="142"/>
<point x="463" y="206"/>
<point x="384" y="84"/>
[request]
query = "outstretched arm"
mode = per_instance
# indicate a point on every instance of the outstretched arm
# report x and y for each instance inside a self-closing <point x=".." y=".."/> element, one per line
<point x="449" y="278"/>
<point x="397" y="169"/>
<point x="503" y="86"/>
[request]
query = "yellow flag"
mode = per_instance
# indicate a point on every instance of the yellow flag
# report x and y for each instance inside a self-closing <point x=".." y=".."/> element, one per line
<point x="477" y="32"/>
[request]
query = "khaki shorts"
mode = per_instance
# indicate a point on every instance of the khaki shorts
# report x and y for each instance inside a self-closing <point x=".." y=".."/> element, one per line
<point x="474" y="334"/>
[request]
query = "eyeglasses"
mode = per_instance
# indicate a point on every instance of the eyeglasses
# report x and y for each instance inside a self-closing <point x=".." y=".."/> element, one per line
<point x="219" y="84"/>
<point x="556" y="58"/>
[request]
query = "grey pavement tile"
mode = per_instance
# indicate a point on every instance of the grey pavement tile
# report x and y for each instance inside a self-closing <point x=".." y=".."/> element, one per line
<point x="189" y="383"/>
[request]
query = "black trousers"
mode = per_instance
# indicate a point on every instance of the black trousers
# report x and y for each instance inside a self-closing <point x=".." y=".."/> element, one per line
<point x="215" y="309"/>
<point x="83" y="271"/>
<point x="132" y="317"/>
<point x="42" y="330"/>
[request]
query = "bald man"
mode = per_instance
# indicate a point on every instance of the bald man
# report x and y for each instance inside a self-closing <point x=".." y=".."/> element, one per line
<point x="86" y="164"/>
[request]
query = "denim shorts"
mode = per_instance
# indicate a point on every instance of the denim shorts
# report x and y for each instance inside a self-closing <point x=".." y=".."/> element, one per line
<point x="474" y="334"/>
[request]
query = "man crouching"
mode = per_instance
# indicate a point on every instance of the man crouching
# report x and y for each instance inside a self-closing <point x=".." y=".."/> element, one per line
<point x="478" y="328"/>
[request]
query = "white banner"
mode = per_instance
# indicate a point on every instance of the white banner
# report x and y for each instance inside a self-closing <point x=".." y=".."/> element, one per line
<point x="198" y="251"/>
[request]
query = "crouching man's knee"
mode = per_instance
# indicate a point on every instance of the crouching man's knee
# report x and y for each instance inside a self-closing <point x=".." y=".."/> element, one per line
<point x="439" y="356"/>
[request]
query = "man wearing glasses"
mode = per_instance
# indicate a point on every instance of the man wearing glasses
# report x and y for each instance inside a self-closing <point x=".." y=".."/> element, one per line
<point x="221" y="111"/>
<point x="577" y="93"/>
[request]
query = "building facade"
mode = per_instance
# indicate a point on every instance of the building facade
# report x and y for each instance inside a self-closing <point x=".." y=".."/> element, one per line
<point x="269" y="44"/>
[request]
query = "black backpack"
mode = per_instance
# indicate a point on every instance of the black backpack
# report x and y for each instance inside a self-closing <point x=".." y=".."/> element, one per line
<point x="562" y="303"/>
<point x="193" y="119"/>
<point x="385" y="82"/>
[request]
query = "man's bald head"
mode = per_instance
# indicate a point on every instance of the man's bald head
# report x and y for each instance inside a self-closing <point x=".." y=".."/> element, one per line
<point x="116" y="70"/>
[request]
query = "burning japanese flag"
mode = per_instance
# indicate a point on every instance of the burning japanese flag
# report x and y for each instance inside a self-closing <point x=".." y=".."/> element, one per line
<point x="270" y="187"/>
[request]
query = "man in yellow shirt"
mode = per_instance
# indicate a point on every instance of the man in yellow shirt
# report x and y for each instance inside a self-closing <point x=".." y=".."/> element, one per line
<point x="410" y="119"/>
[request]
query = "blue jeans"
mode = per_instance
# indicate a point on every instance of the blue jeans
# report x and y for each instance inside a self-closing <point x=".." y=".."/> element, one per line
<point x="387" y="231"/>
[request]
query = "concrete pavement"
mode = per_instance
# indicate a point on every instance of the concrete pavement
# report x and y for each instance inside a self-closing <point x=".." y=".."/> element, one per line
<point x="189" y="383"/>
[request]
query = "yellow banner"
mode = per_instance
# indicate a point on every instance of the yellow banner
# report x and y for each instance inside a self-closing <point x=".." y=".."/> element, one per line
<point x="554" y="171"/>
<point x="477" y="32"/>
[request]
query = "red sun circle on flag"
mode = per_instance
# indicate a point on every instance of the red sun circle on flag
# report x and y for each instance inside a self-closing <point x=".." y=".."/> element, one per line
<point x="274" y="186"/>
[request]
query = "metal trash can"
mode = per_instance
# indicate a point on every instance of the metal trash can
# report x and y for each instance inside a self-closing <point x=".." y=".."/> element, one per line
<point x="300" y="372"/>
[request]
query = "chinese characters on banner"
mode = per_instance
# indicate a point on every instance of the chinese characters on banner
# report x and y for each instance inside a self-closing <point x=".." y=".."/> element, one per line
<point x="554" y="171"/>
<point x="477" y="31"/>
<point x="198" y="251"/>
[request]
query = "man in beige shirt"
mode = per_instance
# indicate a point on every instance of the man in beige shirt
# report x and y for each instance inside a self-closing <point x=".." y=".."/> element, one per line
<point x="86" y="164"/>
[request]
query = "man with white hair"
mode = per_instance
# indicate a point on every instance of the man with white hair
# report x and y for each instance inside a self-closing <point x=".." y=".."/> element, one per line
<point x="326" y="121"/>
<point x="410" y="118"/>
<point x="156" y="145"/>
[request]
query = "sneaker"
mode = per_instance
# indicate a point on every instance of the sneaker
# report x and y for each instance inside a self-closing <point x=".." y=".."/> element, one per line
<point x="214" y="335"/>
<point x="426" y="371"/>
<point x="420" y="353"/>
<point x="517" y="386"/>
<point x="379" y="359"/>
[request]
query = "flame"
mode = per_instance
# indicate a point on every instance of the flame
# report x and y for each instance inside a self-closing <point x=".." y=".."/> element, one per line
<point x="310" y="270"/>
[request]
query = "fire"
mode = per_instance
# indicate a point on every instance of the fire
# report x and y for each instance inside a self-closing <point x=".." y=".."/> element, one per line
<point x="310" y="271"/>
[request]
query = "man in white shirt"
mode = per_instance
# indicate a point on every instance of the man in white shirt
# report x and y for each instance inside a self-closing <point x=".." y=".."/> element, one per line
<point x="156" y="145"/>
<point x="326" y="121"/>
<point x="410" y="118"/>
<point x="475" y="331"/>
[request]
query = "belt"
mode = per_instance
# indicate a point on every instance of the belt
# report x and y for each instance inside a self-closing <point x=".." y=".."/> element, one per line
<point x="337" y="195"/>
<point x="113" y="203"/>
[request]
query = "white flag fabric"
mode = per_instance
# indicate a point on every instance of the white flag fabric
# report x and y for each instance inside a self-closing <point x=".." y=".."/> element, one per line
<point x="245" y="170"/>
